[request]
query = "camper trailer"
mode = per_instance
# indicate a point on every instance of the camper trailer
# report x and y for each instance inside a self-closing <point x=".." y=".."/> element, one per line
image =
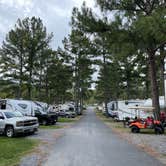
<point x="122" y="109"/>
<point x="27" y="108"/>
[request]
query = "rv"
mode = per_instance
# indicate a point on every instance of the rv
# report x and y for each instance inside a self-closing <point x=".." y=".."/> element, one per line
<point x="122" y="109"/>
<point x="27" y="108"/>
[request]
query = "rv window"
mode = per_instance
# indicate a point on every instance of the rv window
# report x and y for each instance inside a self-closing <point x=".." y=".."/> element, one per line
<point x="3" y="104"/>
<point x="24" y="106"/>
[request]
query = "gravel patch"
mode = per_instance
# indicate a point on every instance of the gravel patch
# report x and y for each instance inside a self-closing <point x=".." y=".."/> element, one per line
<point x="155" y="145"/>
<point x="47" y="138"/>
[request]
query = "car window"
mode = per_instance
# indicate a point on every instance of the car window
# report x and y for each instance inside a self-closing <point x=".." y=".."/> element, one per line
<point x="12" y="114"/>
<point x="24" y="106"/>
<point x="9" y="115"/>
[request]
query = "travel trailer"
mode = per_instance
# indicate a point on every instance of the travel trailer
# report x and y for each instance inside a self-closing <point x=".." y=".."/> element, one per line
<point x="122" y="109"/>
<point x="148" y="103"/>
<point x="26" y="107"/>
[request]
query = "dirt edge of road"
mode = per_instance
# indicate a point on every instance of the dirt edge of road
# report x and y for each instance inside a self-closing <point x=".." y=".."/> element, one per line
<point x="129" y="138"/>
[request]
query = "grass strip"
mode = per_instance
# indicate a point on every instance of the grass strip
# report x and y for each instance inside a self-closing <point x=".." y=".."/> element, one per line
<point x="12" y="149"/>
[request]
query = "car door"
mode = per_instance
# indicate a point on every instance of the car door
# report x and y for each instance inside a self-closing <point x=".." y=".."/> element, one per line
<point x="2" y="122"/>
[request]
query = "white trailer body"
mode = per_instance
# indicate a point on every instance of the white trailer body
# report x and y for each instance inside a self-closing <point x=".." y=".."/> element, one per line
<point x="26" y="107"/>
<point x="122" y="109"/>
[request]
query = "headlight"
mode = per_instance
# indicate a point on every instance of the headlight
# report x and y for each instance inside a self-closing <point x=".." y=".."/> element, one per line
<point x="20" y="123"/>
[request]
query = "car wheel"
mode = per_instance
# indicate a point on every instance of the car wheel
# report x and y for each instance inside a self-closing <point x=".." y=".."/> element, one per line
<point x="53" y="122"/>
<point x="135" y="129"/>
<point x="9" y="131"/>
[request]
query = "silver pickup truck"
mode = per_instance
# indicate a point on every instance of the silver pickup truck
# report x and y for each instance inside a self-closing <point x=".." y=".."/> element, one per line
<point x="13" y="122"/>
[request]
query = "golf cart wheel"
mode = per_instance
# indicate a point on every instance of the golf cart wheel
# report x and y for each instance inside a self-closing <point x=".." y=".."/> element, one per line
<point x="135" y="129"/>
<point x="159" y="130"/>
<point x="9" y="132"/>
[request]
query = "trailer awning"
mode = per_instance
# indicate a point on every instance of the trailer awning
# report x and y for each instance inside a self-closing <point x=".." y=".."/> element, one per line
<point x="148" y="109"/>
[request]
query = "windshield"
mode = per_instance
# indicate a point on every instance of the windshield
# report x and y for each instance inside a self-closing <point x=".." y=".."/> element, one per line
<point x="12" y="114"/>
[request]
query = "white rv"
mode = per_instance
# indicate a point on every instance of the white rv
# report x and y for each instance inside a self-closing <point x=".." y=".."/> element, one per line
<point x="148" y="103"/>
<point x="26" y="107"/>
<point x="123" y="109"/>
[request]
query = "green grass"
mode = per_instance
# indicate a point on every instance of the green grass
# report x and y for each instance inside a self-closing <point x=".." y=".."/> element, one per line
<point x="67" y="120"/>
<point x="12" y="149"/>
<point x="50" y="127"/>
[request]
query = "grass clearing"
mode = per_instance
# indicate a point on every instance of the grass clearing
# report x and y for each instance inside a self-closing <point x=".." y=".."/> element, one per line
<point x="68" y="120"/>
<point x="12" y="149"/>
<point x="50" y="127"/>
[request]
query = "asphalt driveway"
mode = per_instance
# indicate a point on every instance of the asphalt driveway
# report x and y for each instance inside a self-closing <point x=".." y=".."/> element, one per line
<point x="91" y="143"/>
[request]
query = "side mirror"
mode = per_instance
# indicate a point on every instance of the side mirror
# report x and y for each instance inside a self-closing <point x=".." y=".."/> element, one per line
<point x="1" y="117"/>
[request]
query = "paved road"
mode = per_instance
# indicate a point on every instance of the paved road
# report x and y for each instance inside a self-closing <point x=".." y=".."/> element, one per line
<point x="91" y="143"/>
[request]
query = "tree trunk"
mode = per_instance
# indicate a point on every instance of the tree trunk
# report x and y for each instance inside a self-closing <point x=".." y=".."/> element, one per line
<point x="162" y="52"/>
<point x="40" y="85"/>
<point x="128" y="89"/>
<point x="154" y="86"/>
<point x="21" y="77"/>
<point x="29" y="84"/>
<point x="46" y="87"/>
<point x="162" y="78"/>
<point x="105" y="87"/>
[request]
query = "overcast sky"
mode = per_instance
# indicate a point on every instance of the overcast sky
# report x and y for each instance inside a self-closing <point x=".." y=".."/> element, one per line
<point x="55" y="14"/>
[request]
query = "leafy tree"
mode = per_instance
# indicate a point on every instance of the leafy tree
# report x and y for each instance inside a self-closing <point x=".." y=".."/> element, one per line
<point x="134" y="24"/>
<point x="147" y="24"/>
<point x="21" y="51"/>
<point x="77" y="46"/>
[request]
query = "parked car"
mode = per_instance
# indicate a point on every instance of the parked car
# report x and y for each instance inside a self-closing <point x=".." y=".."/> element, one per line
<point x="46" y="118"/>
<point x="13" y="122"/>
<point x="70" y="114"/>
<point x="62" y="113"/>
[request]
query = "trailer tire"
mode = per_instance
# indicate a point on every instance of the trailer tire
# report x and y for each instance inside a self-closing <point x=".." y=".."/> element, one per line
<point x="135" y="129"/>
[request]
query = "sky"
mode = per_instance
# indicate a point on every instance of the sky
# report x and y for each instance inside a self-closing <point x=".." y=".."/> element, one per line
<point x="55" y="14"/>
